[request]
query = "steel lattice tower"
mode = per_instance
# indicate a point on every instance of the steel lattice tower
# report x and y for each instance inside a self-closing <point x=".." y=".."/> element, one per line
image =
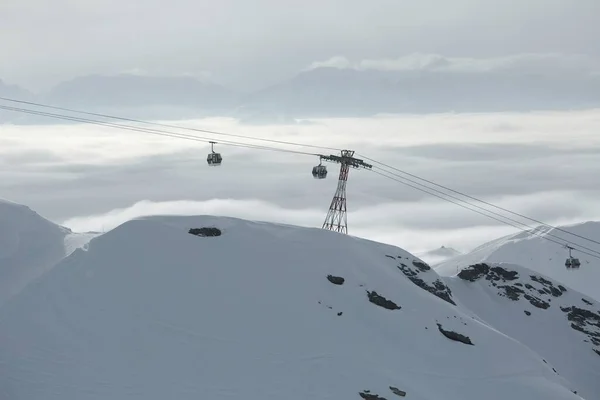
<point x="336" y="219"/>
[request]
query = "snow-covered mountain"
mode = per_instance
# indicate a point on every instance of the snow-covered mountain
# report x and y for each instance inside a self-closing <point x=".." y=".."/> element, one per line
<point x="207" y="307"/>
<point x="29" y="246"/>
<point x="438" y="255"/>
<point x="555" y="321"/>
<point x="540" y="255"/>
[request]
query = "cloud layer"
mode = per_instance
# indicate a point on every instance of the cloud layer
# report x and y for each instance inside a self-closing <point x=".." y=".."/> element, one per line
<point x="539" y="164"/>
<point x="549" y="63"/>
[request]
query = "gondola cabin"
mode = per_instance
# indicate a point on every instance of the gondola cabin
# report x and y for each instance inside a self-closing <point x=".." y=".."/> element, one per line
<point x="213" y="159"/>
<point x="319" y="171"/>
<point x="572" y="262"/>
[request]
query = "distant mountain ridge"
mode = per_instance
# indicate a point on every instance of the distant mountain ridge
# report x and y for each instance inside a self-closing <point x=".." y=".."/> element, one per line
<point x="325" y="91"/>
<point x="328" y="91"/>
<point x="16" y="92"/>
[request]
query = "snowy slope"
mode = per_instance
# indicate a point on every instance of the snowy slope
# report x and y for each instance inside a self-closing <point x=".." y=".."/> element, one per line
<point x="560" y="324"/>
<point x="150" y="311"/>
<point x="539" y="255"/>
<point x="29" y="246"/>
<point x="438" y="255"/>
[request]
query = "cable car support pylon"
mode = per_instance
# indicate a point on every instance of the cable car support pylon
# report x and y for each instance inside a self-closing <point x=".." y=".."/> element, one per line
<point x="336" y="219"/>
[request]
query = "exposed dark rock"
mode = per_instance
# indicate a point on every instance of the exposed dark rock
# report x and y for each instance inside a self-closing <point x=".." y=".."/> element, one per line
<point x="392" y="257"/>
<point x="528" y="286"/>
<point x="541" y="280"/>
<point x="336" y="280"/>
<point x="537" y="302"/>
<point x="455" y="336"/>
<point x="582" y="320"/>
<point x="549" y="286"/>
<point x="527" y="312"/>
<point x="505" y="274"/>
<point x="512" y="292"/>
<point x="340" y="313"/>
<point x="519" y="284"/>
<point x="368" y="396"/>
<point x="421" y="265"/>
<point x="205" y="232"/>
<point x="474" y="272"/>
<point x="437" y="288"/>
<point x="381" y="301"/>
<point x="597" y="351"/>
<point x="589" y="303"/>
<point x="562" y="288"/>
<point x="397" y="391"/>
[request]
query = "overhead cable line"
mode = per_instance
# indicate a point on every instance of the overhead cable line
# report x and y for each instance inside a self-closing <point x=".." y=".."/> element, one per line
<point x="512" y="220"/>
<point x="481" y="201"/>
<point x="169" y="126"/>
<point x="479" y="212"/>
<point x="152" y="131"/>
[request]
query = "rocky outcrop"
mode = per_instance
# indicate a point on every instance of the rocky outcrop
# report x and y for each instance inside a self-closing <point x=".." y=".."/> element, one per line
<point x="585" y="321"/>
<point x="367" y="395"/>
<point x="437" y="287"/>
<point x="397" y="391"/>
<point x="336" y="280"/>
<point x="205" y="232"/>
<point x="455" y="336"/>
<point x="381" y="301"/>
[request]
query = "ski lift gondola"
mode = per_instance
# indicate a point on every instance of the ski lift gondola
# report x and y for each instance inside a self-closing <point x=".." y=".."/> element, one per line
<point x="319" y="171"/>
<point x="213" y="159"/>
<point x="572" y="262"/>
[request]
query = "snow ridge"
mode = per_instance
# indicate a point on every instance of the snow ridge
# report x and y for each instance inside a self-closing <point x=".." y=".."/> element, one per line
<point x="151" y="311"/>
<point x="540" y="255"/>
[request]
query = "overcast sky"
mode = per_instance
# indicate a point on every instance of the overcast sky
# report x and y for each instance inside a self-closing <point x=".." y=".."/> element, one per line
<point x="248" y="44"/>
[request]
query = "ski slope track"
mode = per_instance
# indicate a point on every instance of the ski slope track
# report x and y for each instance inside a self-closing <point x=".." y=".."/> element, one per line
<point x="555" y="321"/>
<point x="29" y="246"/>
<point x="540" y="255"/>
<point x="262" y="311"/>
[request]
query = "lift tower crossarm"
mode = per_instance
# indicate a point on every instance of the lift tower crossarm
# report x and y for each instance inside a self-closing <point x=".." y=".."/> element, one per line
<point x="346" y="158"/>
<point x="336" y="219"/>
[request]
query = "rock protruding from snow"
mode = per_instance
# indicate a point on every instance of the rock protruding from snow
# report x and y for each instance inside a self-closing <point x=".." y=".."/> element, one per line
<point x="205" y="232"/>
<point x="397" y="391"/>
<point x="336" y="280"/>
<point x="424" y="277"/>
<point x="458" y="337"/>
<point x="502" y="278"/>
<point x="585" y="321"/>
<point x="381" y="301"/>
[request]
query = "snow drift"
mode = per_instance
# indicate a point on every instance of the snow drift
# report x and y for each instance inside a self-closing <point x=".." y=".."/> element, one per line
<point x="540" y="255"/>
<point x="555" y="321"/>
<point x="29" y="246"/>
<point x="261" y="311"/>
